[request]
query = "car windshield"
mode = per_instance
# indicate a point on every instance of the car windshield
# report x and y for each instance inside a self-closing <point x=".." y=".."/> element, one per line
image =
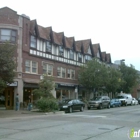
<point x="120" y="97"/>
<point x="98" y="98"/>
<point x="67" y="101"/>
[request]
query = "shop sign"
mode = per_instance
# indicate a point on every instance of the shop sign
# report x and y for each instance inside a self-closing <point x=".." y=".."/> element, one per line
<point x="14" y="84"/>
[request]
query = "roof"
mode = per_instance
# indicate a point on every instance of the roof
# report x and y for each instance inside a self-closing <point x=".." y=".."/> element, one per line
<point x="69" y="42"/>
<point x="58" y="38"/>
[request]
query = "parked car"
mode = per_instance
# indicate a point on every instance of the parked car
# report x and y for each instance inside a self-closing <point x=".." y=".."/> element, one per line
<point x="126" y="99"/>
<point x="68" y="105"/>
<point x="134" y="101"/>
<point x="99" y="102"/>
<point x="138" y="100"/>
<point x="115" y="103"/>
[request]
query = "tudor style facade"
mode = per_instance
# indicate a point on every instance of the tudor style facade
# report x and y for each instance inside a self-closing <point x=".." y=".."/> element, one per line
<point x="41" y="51"/>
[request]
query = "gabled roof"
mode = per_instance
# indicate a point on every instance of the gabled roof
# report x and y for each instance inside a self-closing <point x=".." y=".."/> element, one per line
<point x="103" y="56"/>
<point x="78" y="46"/>
<point x="86" y="44"/>
<point x="58" y="38"/>
<point x="108" y="57"/>
<point x="44" y="33"/>
<point x="7" y="8"/>
<point x="69" y="42"/>
<point x="34" y="27"/>
<point x="96" y="49"/>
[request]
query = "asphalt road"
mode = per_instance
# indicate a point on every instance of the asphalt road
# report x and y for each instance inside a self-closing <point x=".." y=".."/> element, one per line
<point x="105" y="124"/>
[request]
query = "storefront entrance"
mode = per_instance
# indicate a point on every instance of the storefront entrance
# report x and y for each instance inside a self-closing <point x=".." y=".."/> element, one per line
<point x="7" y="98"/>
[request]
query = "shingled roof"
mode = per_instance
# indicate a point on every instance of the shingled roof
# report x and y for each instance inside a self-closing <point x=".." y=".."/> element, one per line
<point x="69" y="42"/>
<point x="96" y="49"/>
<point x="103" y="56"/>
<point x="33" y="27"/>
<point x="78" y="46"/>
<point x="108" y="57"/>
<point x="44" y="33"/>
<point x="86" y="44"/>
<point x="58" y="38"/>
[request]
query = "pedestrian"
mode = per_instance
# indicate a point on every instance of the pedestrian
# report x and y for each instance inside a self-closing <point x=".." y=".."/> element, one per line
<point x="17" y="102"/>
<point x="29" y="103"/>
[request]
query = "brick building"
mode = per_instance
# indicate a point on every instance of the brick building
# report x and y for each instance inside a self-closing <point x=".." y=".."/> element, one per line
<point x="42" y="50"/>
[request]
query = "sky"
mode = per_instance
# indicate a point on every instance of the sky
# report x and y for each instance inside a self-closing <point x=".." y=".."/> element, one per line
<point x="114" y="24"/>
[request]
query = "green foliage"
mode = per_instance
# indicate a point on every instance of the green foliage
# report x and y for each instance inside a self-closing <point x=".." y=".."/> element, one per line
<point x="92" y="75"/>
<point x="46" y="85"/>
<point x="130" y="76"/>
<point x="114" y="80"/>
<point x="47" y="104"/>
<point x="7" y="64"/>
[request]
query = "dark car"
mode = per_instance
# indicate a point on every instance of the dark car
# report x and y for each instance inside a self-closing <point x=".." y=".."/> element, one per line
<point x="69" y="105"/>
<point x="99" y="102"/>
<point x="115" y="103"/>
<point x="138" y="100"/>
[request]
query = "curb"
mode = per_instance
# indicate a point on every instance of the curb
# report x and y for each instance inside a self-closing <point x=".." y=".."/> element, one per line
<point x="36" y="111"/>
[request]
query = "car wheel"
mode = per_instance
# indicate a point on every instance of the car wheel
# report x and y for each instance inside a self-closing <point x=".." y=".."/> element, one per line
<point x="70" y="110"/>
<point x="113" y="106"/>
<point x="82" y="109"/>
<point x="108" y="106"/>
<point x="88" y="108"/>
<point x="100" y="107"/>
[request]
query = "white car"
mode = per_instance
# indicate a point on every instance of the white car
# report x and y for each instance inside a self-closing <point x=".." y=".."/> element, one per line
<point x="134" y="101"/>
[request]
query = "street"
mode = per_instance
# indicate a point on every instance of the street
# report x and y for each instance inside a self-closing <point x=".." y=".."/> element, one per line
<point x="105" y="124"/>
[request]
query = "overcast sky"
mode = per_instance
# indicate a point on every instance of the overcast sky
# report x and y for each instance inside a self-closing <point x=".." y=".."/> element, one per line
<point x="115" y="24"/>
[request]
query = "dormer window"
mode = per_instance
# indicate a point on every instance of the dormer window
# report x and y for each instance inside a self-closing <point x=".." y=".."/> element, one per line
<point x="71" y="54"/>
<point x="61" y="51"/>
<point x="79" y="57"/>
<point x="48" y="46"/>
<point x="33" y="42"/>
<point x="87" y="58"/>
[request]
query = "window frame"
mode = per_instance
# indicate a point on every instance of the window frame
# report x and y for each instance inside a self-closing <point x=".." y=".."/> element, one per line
<point x="71" y="73"/>
<point x="11" y="35"/>
<point x="61" y="51"/>
<point x="79" y="58"/>
<point x="48" y="47"/>
<point x="47" y="69"/>
<point x="31" y="67"/>
<point x="33" y="42"/>
<point x="71" y="54"/>
<point x="61" y="71"/>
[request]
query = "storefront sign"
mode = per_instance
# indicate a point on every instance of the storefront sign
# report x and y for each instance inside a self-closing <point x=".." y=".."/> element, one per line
<point x="14" y="84"/>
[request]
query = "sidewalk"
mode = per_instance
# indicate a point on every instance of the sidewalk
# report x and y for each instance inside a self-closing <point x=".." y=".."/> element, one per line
<point x="24" y="113"/>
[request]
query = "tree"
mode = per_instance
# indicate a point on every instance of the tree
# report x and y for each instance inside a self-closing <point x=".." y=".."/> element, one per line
<point x="46" y="101"/>
<point x="7" y="64"/>
<point x="46" y="85"/>
<point x="92" y="75"/>
<point x="113" y="81"/>
<point x="130" y="76"/>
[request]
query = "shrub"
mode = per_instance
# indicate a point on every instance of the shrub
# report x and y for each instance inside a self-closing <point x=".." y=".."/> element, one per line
<point x="47" y="104"/>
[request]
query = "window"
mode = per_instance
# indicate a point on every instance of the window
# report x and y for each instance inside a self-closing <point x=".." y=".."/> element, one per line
<point x="61" y="72"/>
<point x="71" y="74"/>
<point x="87" y="58"/>
<point x="71" y="54"/>
<point x="33" y="42"/>
<point x="31" y="66"/>
<point x="79" y="57"/>
<point x="48" y="46"/>
<point x="48" y="69"/>
<point x="61" y="51"/>
<point x="8" y="35"/>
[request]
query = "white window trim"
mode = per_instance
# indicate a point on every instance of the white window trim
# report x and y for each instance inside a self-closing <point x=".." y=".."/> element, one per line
<point x="31" y="67"/>
<point x="48" y="69"/>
